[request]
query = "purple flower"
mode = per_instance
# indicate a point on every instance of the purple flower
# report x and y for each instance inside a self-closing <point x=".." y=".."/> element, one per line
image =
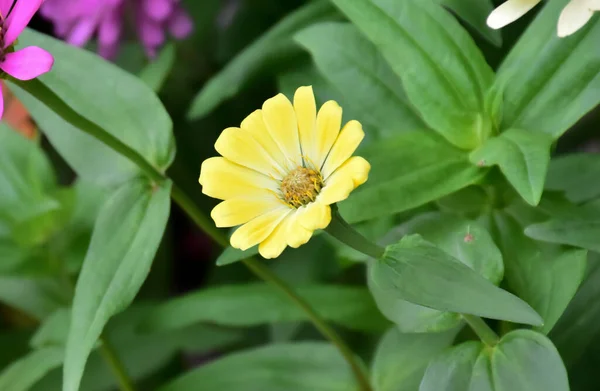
<point x="77" y="21"/>
<point x="27" y="63"/>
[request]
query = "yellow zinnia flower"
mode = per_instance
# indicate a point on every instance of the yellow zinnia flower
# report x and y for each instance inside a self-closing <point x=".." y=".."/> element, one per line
<point x="573" y="17"/>
<point x="281" y="170"/>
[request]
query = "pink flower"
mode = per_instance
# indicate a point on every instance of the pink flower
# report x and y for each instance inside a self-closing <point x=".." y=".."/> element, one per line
<point x="27" y="63"/>
<point x="77" y="21"/>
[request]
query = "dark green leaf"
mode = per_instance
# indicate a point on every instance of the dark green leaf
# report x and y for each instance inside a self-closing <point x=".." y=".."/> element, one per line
<point x="443" y="72"/>
<point x="251" y="305"/>
<point x="27" y="371"/>
<point x="466" y="241"/>
<point x="523" y="157"/>
<point x="580" y="231"/>
<point x="155" y="74"/>
<point x="548" y="82"/>
<point x="425" y="168"/>
<point x="401" y="359"/>
<point x="576" y="174"/>
<point x="123" y="245"/>
<point x="522" y="360"/>
<point x="545" y="277"/>
<point x="355" y="67"/>
<point x="475" y="13"/>
<point x="120" y="103"/>
<point x="418" y="272"/>
<point x="306" y="366"/>
<point x="276" y="43"/>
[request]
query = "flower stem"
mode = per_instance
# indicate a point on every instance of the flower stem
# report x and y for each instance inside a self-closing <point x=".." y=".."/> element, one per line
<point x="342" y="231"/>
<point x="54" y="102"/>
<point x="125" y="383"/>
<point x="483" y="331"/>
<point x="266" y="274"/>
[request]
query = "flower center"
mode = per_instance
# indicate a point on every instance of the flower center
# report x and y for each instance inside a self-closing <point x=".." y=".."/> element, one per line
<point x="301" y="186"/>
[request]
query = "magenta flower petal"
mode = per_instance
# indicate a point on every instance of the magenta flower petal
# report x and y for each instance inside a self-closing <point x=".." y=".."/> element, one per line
<point x="2" y="87"/>
<point x="82" y="32"/>
<point x="27" y="63"/>
<point x="19" y="18"/>
<point x="159" y="10"/>
<point x="5" y="7"/>
<point x="180" y="24"/>
<point x="109" y="30"/>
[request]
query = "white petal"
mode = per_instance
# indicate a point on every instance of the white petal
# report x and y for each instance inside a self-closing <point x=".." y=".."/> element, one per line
<point x="573" y="17"/>
<point x="509" y="11"/>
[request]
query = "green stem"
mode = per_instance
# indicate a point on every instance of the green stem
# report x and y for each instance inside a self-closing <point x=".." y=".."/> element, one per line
<point x="49" y="98"/>
<point x="266" y="274"/>
<point x="45" y="95"/>
<point x="483" y="331"/>
<point x="342" y="231"/>
<point x="116" y="365"/>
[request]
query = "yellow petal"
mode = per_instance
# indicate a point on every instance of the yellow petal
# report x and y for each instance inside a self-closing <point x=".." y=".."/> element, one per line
<point x="345" y="145"/>
<point x="258" y="229"/>
<point x="280" y="118"/>
<point x="241" y="148"/>
<point x="329" y="122"/>
<point x="306" y="114"/>
<point x="509" y="11"/>
<point x="255" y="125"/>
<point x="237" y="211"/>
<point x="223" y="179"/>
<point x="573" y="17"/>
<point x="315" y="215"/>
<point x="353" y="173"/>
<point x="288" y="233"/>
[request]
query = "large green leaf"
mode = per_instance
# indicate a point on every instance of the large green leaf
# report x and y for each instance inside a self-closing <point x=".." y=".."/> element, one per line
<point x="419" y="272"/>
<point x="123" y="245"/>
<point x="356" y="68"/>
<point x="401" y="359"/>
<point x="581" y="230"/>
<point x="28" y="370"/>
<point x="522" y="360"/>
<point x="475" y="13"/>
<point x="523" y="157"/>
<point x="276" y="43"/>
<point x="544" y="276"/>
<point x="549" y="83"/>
<point x="306" y="366"/>
<point x="425" y="168"/>
<point x="256" y="304"/>
<point x="103" y="93"/>
<point x="576" y="174"/>
<point x="155" y="74"/>
<point x="442" y="70"/>
<point x="466" y="241"/>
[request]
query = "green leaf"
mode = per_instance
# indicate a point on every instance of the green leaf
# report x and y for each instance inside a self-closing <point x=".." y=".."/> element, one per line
<point x="545" y="277"/>
<point x="425" y="166"/>
<point x="53" y="331"/>
<point x="582" y="230"/>
<point x="548" y="82"/>
<point x="256" y="304"/>
<point x="453" y="369"/>
<point x="27" y="371"/>
<point x="522" y="360"/>
<point x="464" y="240"/>
<point x="306" y="366"/>
<point x="577" y="329"/>
<point x="356" y="68"/>
<point x="443" y="72"/>
<point x="123" y="245"/>
<point x="155" y="74"/>
<point x="576" y="175"/>
<point x="401" y="359"/>
<point x="418" y="272"/>
<point x="523" y="157"/>
<point x="36" y="297"/>
<point x="475" y="13"/>
<point x="276" y="43"/>
<point x="121" y="103"/>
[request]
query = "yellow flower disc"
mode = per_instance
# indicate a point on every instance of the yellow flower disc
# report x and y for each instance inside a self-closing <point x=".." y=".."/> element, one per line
<point x="281" y="170"/>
